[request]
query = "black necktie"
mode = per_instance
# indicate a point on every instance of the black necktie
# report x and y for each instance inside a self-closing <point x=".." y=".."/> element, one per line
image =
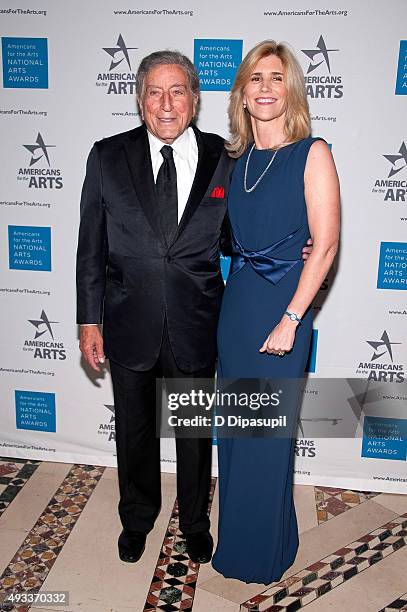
<point x="167" y="198"/>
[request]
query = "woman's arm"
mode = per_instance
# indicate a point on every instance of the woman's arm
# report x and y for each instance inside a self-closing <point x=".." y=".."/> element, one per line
<point x="322" y="198"/>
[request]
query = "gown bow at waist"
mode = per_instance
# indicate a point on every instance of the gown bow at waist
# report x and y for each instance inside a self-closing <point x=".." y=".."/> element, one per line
<point x="269" y="267"/>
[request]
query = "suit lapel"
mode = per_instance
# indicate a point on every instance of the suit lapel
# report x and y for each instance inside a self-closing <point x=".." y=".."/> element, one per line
<point x="208" y="159"/>
<point x="137" y="152"/>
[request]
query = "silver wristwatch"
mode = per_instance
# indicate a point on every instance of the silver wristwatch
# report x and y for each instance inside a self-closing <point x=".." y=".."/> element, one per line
<point x="293" y="316"/>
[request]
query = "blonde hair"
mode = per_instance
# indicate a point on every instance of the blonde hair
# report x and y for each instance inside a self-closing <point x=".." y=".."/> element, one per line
<point x="297" y="117"/>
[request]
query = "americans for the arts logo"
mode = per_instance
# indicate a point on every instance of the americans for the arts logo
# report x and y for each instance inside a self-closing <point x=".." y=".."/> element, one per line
<point x="107" y="428"/>
<point x="383" y="365"/>
<point x="39" y="172"/>
<point x="118" y="76"/>
<point x="43" y="343"/>
<point x="393" y="187"/>
<point x="320" y="79"/>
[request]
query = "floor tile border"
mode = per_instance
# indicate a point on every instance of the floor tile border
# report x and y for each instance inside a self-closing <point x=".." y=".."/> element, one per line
<point x="174" y="581"/>
<point x="309" y="584"/>
<point x="328" y="499"/>
<point x="398" y="604"/>
<point x="17" y="482"/>
<point x="34" y="559"/>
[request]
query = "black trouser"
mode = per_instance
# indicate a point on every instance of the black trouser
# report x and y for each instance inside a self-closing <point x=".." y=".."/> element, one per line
<point x="138" y="450"/>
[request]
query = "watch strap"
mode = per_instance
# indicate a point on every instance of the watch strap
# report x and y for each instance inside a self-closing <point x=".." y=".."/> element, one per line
<point x="293" y="316"/>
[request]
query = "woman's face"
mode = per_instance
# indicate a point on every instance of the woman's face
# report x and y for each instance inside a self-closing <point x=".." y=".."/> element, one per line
<point x="265" y="93"/>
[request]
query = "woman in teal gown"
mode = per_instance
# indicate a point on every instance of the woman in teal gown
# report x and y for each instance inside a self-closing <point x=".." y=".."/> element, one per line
<point x="284" y="189"/>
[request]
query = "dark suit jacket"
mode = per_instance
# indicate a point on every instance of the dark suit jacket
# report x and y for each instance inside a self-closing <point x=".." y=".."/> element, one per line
<point x="128" y="277"/>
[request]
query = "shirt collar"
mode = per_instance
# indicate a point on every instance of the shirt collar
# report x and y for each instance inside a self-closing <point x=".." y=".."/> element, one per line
<point x="181" y="145"/>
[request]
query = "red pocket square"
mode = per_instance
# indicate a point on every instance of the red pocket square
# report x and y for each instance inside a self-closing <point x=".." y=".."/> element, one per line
<point x="218" y="192"/>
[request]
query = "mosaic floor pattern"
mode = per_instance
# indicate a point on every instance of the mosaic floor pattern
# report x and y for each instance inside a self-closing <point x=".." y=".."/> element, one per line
<point x="397" y="604"/>
<point x="174" y="585"/>
<point x="298" y="590"/>
<point x="174" y="581"/>
<point x="34" y="559"/>
<point x="14" y="473"/>
<point x="331" y="501"/>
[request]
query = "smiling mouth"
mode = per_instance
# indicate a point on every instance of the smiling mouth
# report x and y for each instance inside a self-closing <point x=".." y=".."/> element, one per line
<point x="166" y="119"/>
<point x="265" y="100"/>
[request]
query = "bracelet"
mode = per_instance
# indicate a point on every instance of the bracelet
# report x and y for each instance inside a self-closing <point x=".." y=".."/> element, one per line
<point x="293" y="317"/>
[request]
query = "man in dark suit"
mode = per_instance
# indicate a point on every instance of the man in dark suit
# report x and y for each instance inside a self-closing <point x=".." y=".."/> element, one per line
<point x="152" y="217"/>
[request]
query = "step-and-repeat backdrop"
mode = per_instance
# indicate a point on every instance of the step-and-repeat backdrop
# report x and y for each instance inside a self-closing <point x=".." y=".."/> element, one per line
<point x="68" y="79"/>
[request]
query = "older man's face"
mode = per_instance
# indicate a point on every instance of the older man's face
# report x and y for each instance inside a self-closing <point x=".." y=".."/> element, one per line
<point x="168" y="103"/>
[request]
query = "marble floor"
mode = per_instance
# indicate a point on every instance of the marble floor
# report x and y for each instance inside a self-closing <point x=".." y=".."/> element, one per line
<point x="59" y="528"/>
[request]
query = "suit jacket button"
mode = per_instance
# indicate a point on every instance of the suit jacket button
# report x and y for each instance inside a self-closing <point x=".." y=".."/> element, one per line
<point x="169" y="259"/>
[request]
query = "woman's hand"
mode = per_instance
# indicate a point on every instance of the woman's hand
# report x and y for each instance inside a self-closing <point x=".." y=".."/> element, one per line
<point x="281" y="339"/>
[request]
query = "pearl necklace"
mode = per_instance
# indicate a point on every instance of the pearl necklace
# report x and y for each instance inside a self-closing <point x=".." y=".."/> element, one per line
<point x="250" y="189"/>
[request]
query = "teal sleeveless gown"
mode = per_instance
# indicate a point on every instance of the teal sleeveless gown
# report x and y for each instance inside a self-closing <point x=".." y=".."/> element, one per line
<point x="257" y="531"/>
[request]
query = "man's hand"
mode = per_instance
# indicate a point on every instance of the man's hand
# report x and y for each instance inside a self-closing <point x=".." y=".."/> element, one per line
<point x="307" y="250"/>
<point x="91" y="346"/>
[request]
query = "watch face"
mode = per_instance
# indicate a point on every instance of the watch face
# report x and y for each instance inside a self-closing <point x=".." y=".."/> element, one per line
<point x="293" y="317"/>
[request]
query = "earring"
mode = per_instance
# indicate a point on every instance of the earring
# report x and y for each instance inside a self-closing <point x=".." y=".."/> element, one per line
<point x="244" y="105"/>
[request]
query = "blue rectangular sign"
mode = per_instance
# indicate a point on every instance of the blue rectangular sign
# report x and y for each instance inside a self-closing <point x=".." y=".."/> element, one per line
<point x="29" y="248"/>
<point x="312" y="356"/>
<point x="401" y="80"/>
<point x="35" y="410"/>
<point x="225" y="266"/>
<point x="384" y="438"/>
<point x="392" y="272"/>
<point x="25" y="63"/>
<point x="216" y="61"/>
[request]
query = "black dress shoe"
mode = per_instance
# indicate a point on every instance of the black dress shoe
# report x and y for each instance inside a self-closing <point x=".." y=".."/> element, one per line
<point x="131" y="545"/>
<point x="199" y="546"/>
